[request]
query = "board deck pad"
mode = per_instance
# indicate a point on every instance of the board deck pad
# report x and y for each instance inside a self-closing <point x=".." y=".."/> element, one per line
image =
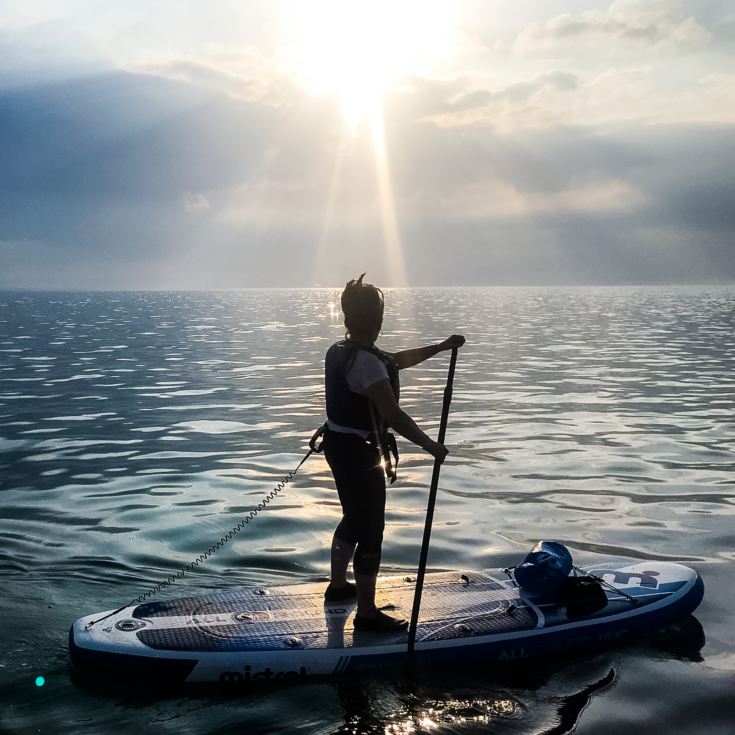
<point x="251" y="634"/>
<point x="296" y="615"/>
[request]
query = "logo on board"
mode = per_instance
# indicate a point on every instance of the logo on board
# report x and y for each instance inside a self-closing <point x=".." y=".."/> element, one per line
<point x="645" y="579"/>
<point x="267" y="674"/>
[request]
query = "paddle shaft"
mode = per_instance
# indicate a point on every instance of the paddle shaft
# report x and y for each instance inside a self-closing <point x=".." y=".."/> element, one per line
<point x="430" y="509"/>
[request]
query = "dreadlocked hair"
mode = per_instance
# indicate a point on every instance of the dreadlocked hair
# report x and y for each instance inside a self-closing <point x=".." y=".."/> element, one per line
<point x="362" y="305"/>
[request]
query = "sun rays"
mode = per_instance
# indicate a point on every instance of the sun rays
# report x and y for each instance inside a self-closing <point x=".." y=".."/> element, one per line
<point x="356" y="51"/>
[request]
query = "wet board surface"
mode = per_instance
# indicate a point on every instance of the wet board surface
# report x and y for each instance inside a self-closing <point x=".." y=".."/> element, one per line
<point x="290" y="629"/>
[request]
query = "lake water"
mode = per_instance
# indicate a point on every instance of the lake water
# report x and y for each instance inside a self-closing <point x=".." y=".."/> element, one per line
<point x="136" y="428"/>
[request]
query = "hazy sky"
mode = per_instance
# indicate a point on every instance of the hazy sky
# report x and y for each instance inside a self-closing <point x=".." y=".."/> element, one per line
<point x="188" y="144"/>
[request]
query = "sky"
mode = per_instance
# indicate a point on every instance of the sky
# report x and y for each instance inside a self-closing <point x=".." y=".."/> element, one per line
<point x="192" y="144"/>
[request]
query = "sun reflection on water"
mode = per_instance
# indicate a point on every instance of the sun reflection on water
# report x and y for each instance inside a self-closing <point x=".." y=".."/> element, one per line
<point x="476" y="711"/>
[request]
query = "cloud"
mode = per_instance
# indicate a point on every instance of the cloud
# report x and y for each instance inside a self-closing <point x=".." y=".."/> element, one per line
<point x="127" y="135"/>
<point x="203" y="75"/>
<point x="605" y="99"/>
<point x="561" y="81"/>
<point x="150" y="182"/>
<point x="454" y="103"/>
<point x="245" y="74"/>
<point x="640" y="21"/>
<point x="47" y="50"/>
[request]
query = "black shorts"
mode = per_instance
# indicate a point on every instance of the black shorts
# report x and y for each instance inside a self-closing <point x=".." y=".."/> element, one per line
<point x="358" y="473"/>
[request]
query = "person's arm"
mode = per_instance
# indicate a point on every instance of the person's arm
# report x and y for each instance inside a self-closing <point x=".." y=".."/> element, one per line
<point x="409" y="358"/>
<point x="382" y="397"/>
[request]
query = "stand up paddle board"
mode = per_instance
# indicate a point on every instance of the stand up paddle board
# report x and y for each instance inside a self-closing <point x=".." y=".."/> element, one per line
<point x="247" y="635"/>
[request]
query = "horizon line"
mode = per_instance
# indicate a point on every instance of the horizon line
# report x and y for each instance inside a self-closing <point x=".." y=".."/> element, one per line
<point x="636" y="284"/>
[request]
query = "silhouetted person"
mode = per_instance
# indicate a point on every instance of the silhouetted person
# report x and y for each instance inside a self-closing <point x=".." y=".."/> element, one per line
<point x="362" y="394"/>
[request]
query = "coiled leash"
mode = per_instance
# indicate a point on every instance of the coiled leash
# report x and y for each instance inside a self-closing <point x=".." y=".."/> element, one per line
<point x="315" y="447"/>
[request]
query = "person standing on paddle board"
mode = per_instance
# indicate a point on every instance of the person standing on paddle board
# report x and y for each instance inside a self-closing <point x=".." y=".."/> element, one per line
<point x="362" y="393"/>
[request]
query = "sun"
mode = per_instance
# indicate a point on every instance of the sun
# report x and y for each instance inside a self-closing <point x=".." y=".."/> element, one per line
<point x="358" y="49"/>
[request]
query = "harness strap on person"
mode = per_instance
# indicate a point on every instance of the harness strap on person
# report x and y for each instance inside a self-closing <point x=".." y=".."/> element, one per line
<point x="386" y="444"/>
<point x="388" y="447"/>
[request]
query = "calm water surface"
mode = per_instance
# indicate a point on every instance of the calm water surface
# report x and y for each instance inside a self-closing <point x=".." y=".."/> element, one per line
<point x="135" y="428"/>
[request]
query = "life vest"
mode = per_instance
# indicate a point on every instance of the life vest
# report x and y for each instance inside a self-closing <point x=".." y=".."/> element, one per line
<point x="352" y="410"/>
<point x="344" y="406"/>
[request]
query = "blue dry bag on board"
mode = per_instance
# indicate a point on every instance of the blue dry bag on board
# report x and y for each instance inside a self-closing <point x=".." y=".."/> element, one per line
<point x="545" y="569"/>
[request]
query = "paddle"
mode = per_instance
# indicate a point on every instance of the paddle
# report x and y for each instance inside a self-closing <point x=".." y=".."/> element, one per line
<point x="430" y="509"/>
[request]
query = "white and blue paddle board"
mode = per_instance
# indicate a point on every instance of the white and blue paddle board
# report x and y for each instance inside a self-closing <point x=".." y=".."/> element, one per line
<point x="247" y="635"/>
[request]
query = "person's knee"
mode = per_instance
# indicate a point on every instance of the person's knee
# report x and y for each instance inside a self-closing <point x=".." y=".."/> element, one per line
<point x="341" y="546"/>
<point x="347" y="531"/>
<point x="367" y="562"/>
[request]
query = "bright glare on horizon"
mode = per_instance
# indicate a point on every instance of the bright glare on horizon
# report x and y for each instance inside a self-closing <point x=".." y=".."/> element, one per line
<point x="357" y="50"/>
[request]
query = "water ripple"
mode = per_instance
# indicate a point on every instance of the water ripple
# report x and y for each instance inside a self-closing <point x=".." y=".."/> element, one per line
<point x="604" y="418"/>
